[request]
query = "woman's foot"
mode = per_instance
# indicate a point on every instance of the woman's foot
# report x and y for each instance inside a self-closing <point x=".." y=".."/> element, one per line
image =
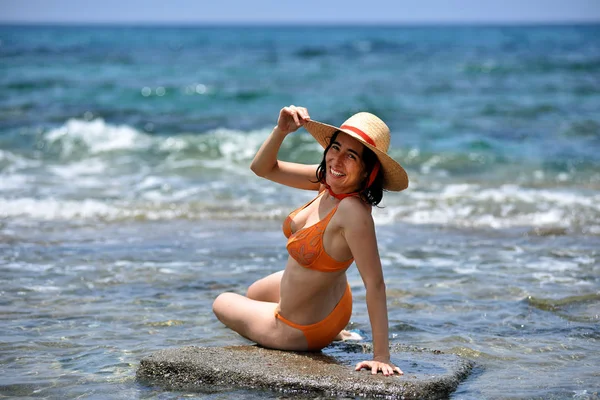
<point x="348" y="335"/>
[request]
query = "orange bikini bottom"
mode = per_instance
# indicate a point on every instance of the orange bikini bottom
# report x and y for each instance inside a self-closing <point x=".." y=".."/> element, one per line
<point x="322" y="333"/>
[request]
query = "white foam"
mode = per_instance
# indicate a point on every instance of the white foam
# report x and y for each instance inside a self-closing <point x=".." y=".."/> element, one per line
<point x="4" y="155"/>
<point x="222" y="149"/>
<point x="150" y="182"/>
<point x="213" y="165"/>
<point x="235" y="148"/>
<point x="97" y="136"/>
<point x="548" y="264"/>
<point x="54" y="209"/>
<point x="548" y="278"/>
<point x="512" y="193"/>
<point x="16" y="162"/>
<point x="176" y="144"/>
<point x="189" y="193"/>
<point x="182" y="164"/>
<point x="90" y="166"/>
<point x="466" y="269"/>
<point x="28" y="266"/>
<point x="393" y="258"/>
<point x="50" y="209"/>
<point x="13" y="182"/>
<point x="502" y="207"/>
<point x="159" y="195"/>
<point x="44" y="289"/>
<point x="234" y="145"/>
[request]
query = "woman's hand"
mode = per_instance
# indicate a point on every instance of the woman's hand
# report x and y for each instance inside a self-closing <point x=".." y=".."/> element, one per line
<point x="386" y="367"/>
<point x="291" y="118"/>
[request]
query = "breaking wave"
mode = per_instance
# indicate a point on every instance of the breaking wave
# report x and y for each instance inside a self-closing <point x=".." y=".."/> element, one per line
<point x="92" y="170"/>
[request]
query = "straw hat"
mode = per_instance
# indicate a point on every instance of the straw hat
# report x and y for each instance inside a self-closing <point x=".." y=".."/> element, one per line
<point x="374" y="134"/>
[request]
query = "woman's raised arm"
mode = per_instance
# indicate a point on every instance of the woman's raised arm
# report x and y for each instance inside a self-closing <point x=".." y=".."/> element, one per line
<point x="265" y="163"/>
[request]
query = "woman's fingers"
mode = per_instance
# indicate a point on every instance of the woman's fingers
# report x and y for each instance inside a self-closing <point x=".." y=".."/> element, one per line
<point x="361" y="365"/>
<point x="376" y="366"/>
<point x="303" y="113"/>
<point x="291" y="118"/>
<point x="296" y="119"/>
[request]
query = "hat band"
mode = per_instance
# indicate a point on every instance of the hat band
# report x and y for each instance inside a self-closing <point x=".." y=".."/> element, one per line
<point x="360" y="133"/>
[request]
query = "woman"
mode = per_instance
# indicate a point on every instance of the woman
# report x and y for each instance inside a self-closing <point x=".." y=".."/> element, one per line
<point x="307" y="305"/>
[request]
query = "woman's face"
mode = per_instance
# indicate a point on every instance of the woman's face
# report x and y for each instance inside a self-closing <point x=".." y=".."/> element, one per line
<point x="345" y="168"/>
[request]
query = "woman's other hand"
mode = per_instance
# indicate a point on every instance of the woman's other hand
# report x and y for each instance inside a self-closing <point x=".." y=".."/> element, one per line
<point x="387" y="368"/>
<point x="291" y="118"/>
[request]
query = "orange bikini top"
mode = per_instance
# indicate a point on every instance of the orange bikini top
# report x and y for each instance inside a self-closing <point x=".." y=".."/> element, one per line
<point x="306" y="245"/>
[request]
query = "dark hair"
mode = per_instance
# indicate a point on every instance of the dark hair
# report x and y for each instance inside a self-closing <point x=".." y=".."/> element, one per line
<point x="371" y="195"/>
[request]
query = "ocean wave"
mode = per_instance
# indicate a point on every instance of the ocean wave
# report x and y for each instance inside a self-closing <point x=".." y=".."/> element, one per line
<point x="233" y="150"/>
<point x="96" y="137"/>
<point x="94" y="170"/>
<point x="11" y="162"/>
<point x="459" y="206"/>
<point x="78" y="139"/>
<point x="507" y="206"/>
<point x="54" y="209"/>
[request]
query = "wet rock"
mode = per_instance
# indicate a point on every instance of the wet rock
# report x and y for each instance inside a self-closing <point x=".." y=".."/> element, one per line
<point x="549" y="231"/>
<point x="427" y="374"/>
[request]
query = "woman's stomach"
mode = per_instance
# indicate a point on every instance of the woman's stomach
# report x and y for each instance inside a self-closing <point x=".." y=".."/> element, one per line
<point x="308" y="296"/>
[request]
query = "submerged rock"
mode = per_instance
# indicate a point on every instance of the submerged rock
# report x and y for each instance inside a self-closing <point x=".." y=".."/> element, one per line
<point x="427" y="374"/>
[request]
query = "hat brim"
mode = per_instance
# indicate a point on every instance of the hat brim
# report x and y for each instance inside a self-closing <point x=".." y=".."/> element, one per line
<point x="395" y="177"/>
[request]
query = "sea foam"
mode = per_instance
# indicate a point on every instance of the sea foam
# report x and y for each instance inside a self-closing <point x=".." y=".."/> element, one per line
<point x="96" y="136"/>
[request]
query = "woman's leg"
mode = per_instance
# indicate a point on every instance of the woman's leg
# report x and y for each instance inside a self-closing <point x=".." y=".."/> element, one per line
<point x="255" y="320"/>
<point x="266" y="289"/>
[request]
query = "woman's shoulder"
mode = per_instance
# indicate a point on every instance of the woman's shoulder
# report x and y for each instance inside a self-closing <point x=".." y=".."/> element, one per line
<point x="353" y="209"/>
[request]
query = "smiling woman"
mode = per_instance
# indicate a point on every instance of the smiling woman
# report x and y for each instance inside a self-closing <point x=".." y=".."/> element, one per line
<point x="347" y="157"/>
<point x="308" y="304"/>
<point x="120" y="212"/>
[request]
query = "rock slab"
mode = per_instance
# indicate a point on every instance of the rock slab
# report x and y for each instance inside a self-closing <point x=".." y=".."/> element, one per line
<point x="427" y="374"/>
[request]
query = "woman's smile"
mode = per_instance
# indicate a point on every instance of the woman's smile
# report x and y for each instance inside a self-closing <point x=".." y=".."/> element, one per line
<point x="335" y="173"/>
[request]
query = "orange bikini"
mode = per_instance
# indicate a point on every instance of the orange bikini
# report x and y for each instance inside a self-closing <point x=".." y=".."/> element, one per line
<point x="306" y="247"/>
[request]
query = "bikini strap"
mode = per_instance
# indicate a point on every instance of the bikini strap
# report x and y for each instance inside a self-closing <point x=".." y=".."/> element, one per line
<point x="340" y="196"/>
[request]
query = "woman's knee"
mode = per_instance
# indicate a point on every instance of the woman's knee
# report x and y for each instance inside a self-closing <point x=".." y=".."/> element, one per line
<point x="255" y="290"/>
<point x="221" y="303"/>
<point x="266" y="289"/>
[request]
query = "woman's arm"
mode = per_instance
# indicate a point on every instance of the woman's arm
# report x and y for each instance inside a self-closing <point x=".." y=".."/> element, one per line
<point x="359" y="231"/>
<point x="265" y="163"/>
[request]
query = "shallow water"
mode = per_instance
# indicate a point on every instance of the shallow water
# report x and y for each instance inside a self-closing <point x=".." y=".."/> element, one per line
<point x="82" y="305"/>
<point x="127" y="204"/>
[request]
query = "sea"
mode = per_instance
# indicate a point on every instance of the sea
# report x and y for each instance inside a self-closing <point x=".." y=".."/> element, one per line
<point x="127" y="203"/>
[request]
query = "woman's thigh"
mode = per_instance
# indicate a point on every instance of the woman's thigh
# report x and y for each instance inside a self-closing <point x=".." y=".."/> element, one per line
<point x="255" y="320"/>
<point x="266" y="289"/>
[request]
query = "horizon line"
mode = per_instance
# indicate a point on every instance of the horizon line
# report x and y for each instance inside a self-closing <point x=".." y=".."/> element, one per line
<point x="302" y="23"/>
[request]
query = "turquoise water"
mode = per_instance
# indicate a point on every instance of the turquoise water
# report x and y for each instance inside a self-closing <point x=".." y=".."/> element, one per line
<point x="124" y="180"/>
